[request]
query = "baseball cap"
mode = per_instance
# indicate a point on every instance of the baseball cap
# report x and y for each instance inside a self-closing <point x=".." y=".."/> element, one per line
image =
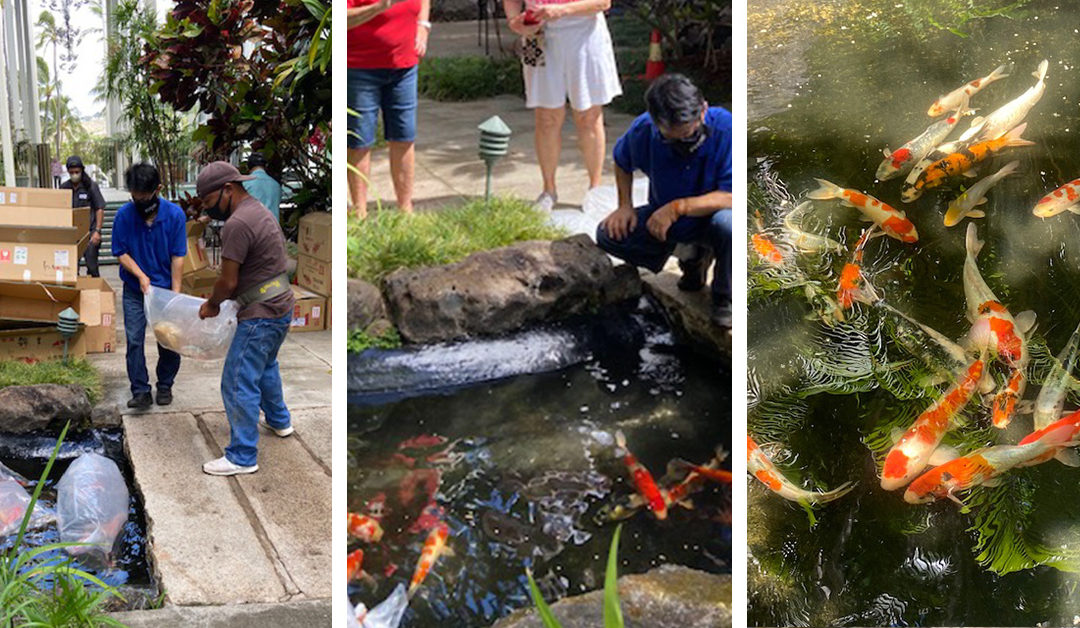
<point x="215" y="175"/>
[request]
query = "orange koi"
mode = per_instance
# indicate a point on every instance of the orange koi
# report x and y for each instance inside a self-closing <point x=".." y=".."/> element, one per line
<point x="853" y="286"/>
<point x="434" y="546"/>
<point x="1070" y="426"/>
<point x="643" y="480"/>
<point x="759" y="465"/>
<point x="892" y="221"/>
<point x="364" y="528"/>
<point x="355" y="562"/>
<point x="766" y="249"/>
<point x="960" y="162"/>
<point x="1005" y="401"/>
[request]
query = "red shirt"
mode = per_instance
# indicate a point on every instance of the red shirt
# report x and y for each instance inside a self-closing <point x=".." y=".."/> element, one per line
<point x="388" y="41"/>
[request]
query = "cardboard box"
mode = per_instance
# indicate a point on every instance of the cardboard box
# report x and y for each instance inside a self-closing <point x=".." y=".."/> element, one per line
<point x="308" y="312"/>
<point x="315" y="236"/>
<point x="35" y="197"/>
<point x="41" y="254"/>
<point x="38" y="303"/>
<point x="199" y="283"/>
<point x="196" y="258"/>
<point x="40" y="343"/>
<point x="100" y="339"/>
<point x="314" y="274"/>
<point x="97" y="309"/>
<point x="329" y="313"/>
<point x="45" y="217"/>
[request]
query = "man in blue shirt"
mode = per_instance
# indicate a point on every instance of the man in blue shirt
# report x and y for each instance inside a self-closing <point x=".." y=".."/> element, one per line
<point x="150" y="241"/>
<point x="263" y="187"/>
<point x="684" y="147"/>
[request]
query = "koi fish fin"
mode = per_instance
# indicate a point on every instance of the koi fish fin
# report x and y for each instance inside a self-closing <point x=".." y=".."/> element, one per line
<point x="1012" y="138"/>
<point x="972" y="241"/>
<point x="1009" y="168"/>
<point x="1073" y="208"/>
<point x="976" y="121"/>
<point x="941" y="455"/>
<point x="895" y="434"/>
<point x="987" y="383"/>
<point x="862" y="217"/>
<point x="970" y="174"/>
<point x="956" y="499"/>
<point x="976" y="213"/>
<point x="721" y="454"/>
<point x="826" y="190"/>
<point x="1025" y="321"/>
<point x="992" y="482"/>
<point x="1024" y="407"/>
<point x="689" y="503"/>
<point x="447" y="551"/>
<point x="836" y="493"/>
<point x="981" y="201"/>
<point x="620" y="440"/>
<point x="1040" y="72"/>
<point x="1068" y="457"/>
<point x="888" y="153"/>
<point x="1000" y="72"/>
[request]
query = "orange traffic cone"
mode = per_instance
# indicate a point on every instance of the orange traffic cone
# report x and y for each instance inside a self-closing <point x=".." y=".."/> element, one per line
<point x="654" y="67"/>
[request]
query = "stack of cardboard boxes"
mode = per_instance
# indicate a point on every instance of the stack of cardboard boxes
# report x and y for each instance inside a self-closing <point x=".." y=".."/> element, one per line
<point x="312" y="292"/>
<point x="41" y="241"/>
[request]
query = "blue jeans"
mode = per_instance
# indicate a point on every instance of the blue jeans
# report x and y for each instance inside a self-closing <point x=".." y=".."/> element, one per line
<point x="391" y="91"/>
<point x="251" y="381"/>
<point x="641" y="249"/>
<point x="135" y="328"/>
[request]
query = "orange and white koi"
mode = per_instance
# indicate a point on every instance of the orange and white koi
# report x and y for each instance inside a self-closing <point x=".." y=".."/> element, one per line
<point x="1065" y="198"/>
<point x="964" y="205"/>
<point x="960" y="162"/>
<point x="355" y="562"/>
<point x="853" y="285"/>
<point x="913" y="450"/>
<point x="434" y="547"/>
<point x="365" y="528"/>
<point x="759" y="466"/>
<point x="1011" y="113"/>
<point x="643" y="480"/>
<point x="1058" y="382"/>
<point x="956" y="96"/>
<point x="899" y="161"/>
<point x="892" y="222"/>
<point x="767" y="250"/>
<point x="1062" y="452"/>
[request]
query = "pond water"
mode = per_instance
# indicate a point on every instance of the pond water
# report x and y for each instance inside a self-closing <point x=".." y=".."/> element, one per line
<point x="519" y="461"/>
<point x="27" y="454"/>
<point x="831" y="84"/>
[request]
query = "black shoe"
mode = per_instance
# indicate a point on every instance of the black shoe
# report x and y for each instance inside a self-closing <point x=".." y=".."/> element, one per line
<point x="695" y="272"/>
<point x="141" y="401"/>
<point x="722" y="315"/>
<point x="164" y="396"/>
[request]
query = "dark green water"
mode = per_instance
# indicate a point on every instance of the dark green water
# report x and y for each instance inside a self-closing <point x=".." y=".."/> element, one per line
<point x="527" y="465"/>
<point x="829" y="87"/>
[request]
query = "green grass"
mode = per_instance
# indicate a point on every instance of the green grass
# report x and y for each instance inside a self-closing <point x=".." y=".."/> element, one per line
<point x="390" y="240"/>
<point x="613" y="617"/>
<point x="18" y="373"/>
<point x="469" y="78"/>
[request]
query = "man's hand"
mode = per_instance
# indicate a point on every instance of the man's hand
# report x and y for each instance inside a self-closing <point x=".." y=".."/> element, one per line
<point x="421" y="40"/>
<point x="662" y="219"/>
<point x="144" y="284"/>
<point x="620" y="223"/>
<point x="517" y="24"/>
<point x="207" y="310"/>
<point x="95" y="238"/>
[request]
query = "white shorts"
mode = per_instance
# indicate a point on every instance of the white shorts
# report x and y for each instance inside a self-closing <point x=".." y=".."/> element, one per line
<point x="579" y="64"/>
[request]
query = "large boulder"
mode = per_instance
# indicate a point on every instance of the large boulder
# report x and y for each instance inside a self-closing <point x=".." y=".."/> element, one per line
<point x="670" y="596"/>
<point x="504" y="290"/>
<point x="690" y="314"/>
<point x="43" y="407"/>
<point x="365" y="304"/>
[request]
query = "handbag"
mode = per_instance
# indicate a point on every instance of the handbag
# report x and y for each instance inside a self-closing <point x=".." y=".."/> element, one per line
<point x="532" y="50"/>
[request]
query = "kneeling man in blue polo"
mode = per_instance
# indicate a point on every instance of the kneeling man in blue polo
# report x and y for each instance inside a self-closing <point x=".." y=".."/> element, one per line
<point x="684" y="147"/>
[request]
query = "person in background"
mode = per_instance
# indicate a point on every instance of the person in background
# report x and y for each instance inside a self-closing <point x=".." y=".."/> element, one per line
<point x="150" y="242"/>
<point x="387" y="38"/>
<point x="252" y="272"/>
<point x="684" y="147"/>
<point x="86" y="193"/>
<point x="263" y="187"/>
<point x="57" y="170"/>
<point x="575" y="62"/>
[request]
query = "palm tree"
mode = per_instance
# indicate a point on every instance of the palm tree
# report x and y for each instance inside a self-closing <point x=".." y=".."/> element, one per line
<point x="49" y="34"/>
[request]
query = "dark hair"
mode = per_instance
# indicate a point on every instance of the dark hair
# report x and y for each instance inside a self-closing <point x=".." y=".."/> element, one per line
<point x="673" y="99"/>
<point x="142" y="177"/>
<point x="256" y="160"/>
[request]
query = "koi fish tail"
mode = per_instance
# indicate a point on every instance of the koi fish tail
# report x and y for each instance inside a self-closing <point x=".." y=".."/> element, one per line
<point x="1009" y="168"/>
<point x="828" y="496"/>
<point x="1002" y="71"/>
<point x="1012" y="138"/>
<point x="1040" y="73"/>
<point x="972" y="241"/>
<point x="620" y="443"/>
<point x="825" y="191"/>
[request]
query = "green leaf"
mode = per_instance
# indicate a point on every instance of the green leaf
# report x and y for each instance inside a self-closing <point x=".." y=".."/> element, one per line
<point x="542" y="608"/>
<point x="612" y="611"/>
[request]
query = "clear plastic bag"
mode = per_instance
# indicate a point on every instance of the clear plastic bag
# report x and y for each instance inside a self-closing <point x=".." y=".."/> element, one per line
<point x="388" y="613"/>
<point x="13" y="502"/>
<point x="91" y="507"/>
<point x="174" y="317"/>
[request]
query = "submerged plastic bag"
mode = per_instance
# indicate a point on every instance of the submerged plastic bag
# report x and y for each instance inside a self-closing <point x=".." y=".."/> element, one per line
<point x="91" y="506"/>
<point x="13" y="502"/>
<point x="174" y="317"/>
<point x="388" y="613"/>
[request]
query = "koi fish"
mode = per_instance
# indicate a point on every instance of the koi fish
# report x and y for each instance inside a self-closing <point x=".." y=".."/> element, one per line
<point x="804" y="240"/>
<point x="1005" y="400"/>
<point x="1065" y="198"/>
<point x="1051" y="398"/>
<point x="365" y="528"/>
<point x="899" y="161"/>
<point x="964" y="205"/>
<point x="355" y="563"/>
<point x="984" y="466"/>
<point x="766" y="249"/>
<point x="1011" y="113"/>
<point x="938" y="153"/>
<point x="960" y="162"/>
<point x="434" y="546"/>
<point x="759" y="465"/>
<point x="853" y="285"/>
<point x="1066" y="456"/>
<point x="892" y="221"/>
<point x="956" y="96"/>
<point x="643" y="480"/>
<point x="915" y="448"/>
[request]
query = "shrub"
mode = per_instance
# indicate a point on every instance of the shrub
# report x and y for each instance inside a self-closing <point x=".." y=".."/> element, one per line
<point x="469" y="78"/>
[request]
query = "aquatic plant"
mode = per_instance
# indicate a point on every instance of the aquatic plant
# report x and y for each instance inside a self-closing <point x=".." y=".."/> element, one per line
<point x="612" y="609"/>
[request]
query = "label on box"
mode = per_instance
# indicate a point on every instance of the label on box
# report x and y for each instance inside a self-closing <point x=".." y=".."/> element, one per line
<point x="61" y="259"/>
<point x="2" y="199"/>
<point x="22" y="255"/>
<point x="316" y="311"/>
<point x="106" y="320"/>
<point x="300" y="321"/>
<point x="59" y="276"/>
<point x="26" y="275"/>
<point x="5" y="256"/>
<point x="14" y="198"/>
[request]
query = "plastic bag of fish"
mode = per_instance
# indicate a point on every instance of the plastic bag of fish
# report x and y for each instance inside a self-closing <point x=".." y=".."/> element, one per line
<point x="13" y="502"/>
<point x="386" y="614"/>
<point x="91" y="507"/>
<point x="174" y="317"/>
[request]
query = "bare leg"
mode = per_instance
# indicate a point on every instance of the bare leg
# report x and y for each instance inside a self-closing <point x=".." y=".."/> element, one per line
<point x="402" y="171"/>
<point x="592" y="141"/>
<point x="549" y="124"/>
<point x="359" y="158"/>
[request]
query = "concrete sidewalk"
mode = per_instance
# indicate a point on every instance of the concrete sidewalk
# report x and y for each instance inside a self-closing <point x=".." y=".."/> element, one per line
<point x="255" y="539"/>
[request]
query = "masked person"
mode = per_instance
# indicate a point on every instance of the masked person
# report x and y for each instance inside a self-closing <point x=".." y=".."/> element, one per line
<point x="86" y="193"/>
<point x="684" y="147"/>
<point x="262" y="186"/>
<point x="150" y="242"/>
<point x="253" y="273"/>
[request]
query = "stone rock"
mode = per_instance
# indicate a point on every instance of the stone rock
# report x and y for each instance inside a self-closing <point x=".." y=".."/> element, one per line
<point x="43" y="407"/>
<point x="690" y="314"/>
<point x="379" y="327"/>
<point x="670" y="596"/>
<point x="365" y="304"/>
<point x="503" y="290"/>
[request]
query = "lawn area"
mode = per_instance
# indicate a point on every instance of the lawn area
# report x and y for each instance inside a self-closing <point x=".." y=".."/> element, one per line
<point x="18" y="373"/>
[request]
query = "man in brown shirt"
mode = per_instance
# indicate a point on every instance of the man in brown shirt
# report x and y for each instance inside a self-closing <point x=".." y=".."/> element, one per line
<point x="253" y="273"/>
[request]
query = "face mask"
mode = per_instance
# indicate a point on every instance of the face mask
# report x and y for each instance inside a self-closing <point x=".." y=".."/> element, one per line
<point x="75" y="178"/>
<point x="146" y="208"/>
<point x="217" y="212"/>
<point x="687" y="146"/>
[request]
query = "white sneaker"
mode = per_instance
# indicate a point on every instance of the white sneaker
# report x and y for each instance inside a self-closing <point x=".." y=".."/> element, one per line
<point x="546" y="202"/>
<point x="283" y="432"/>
<point x="222" y="466"/>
